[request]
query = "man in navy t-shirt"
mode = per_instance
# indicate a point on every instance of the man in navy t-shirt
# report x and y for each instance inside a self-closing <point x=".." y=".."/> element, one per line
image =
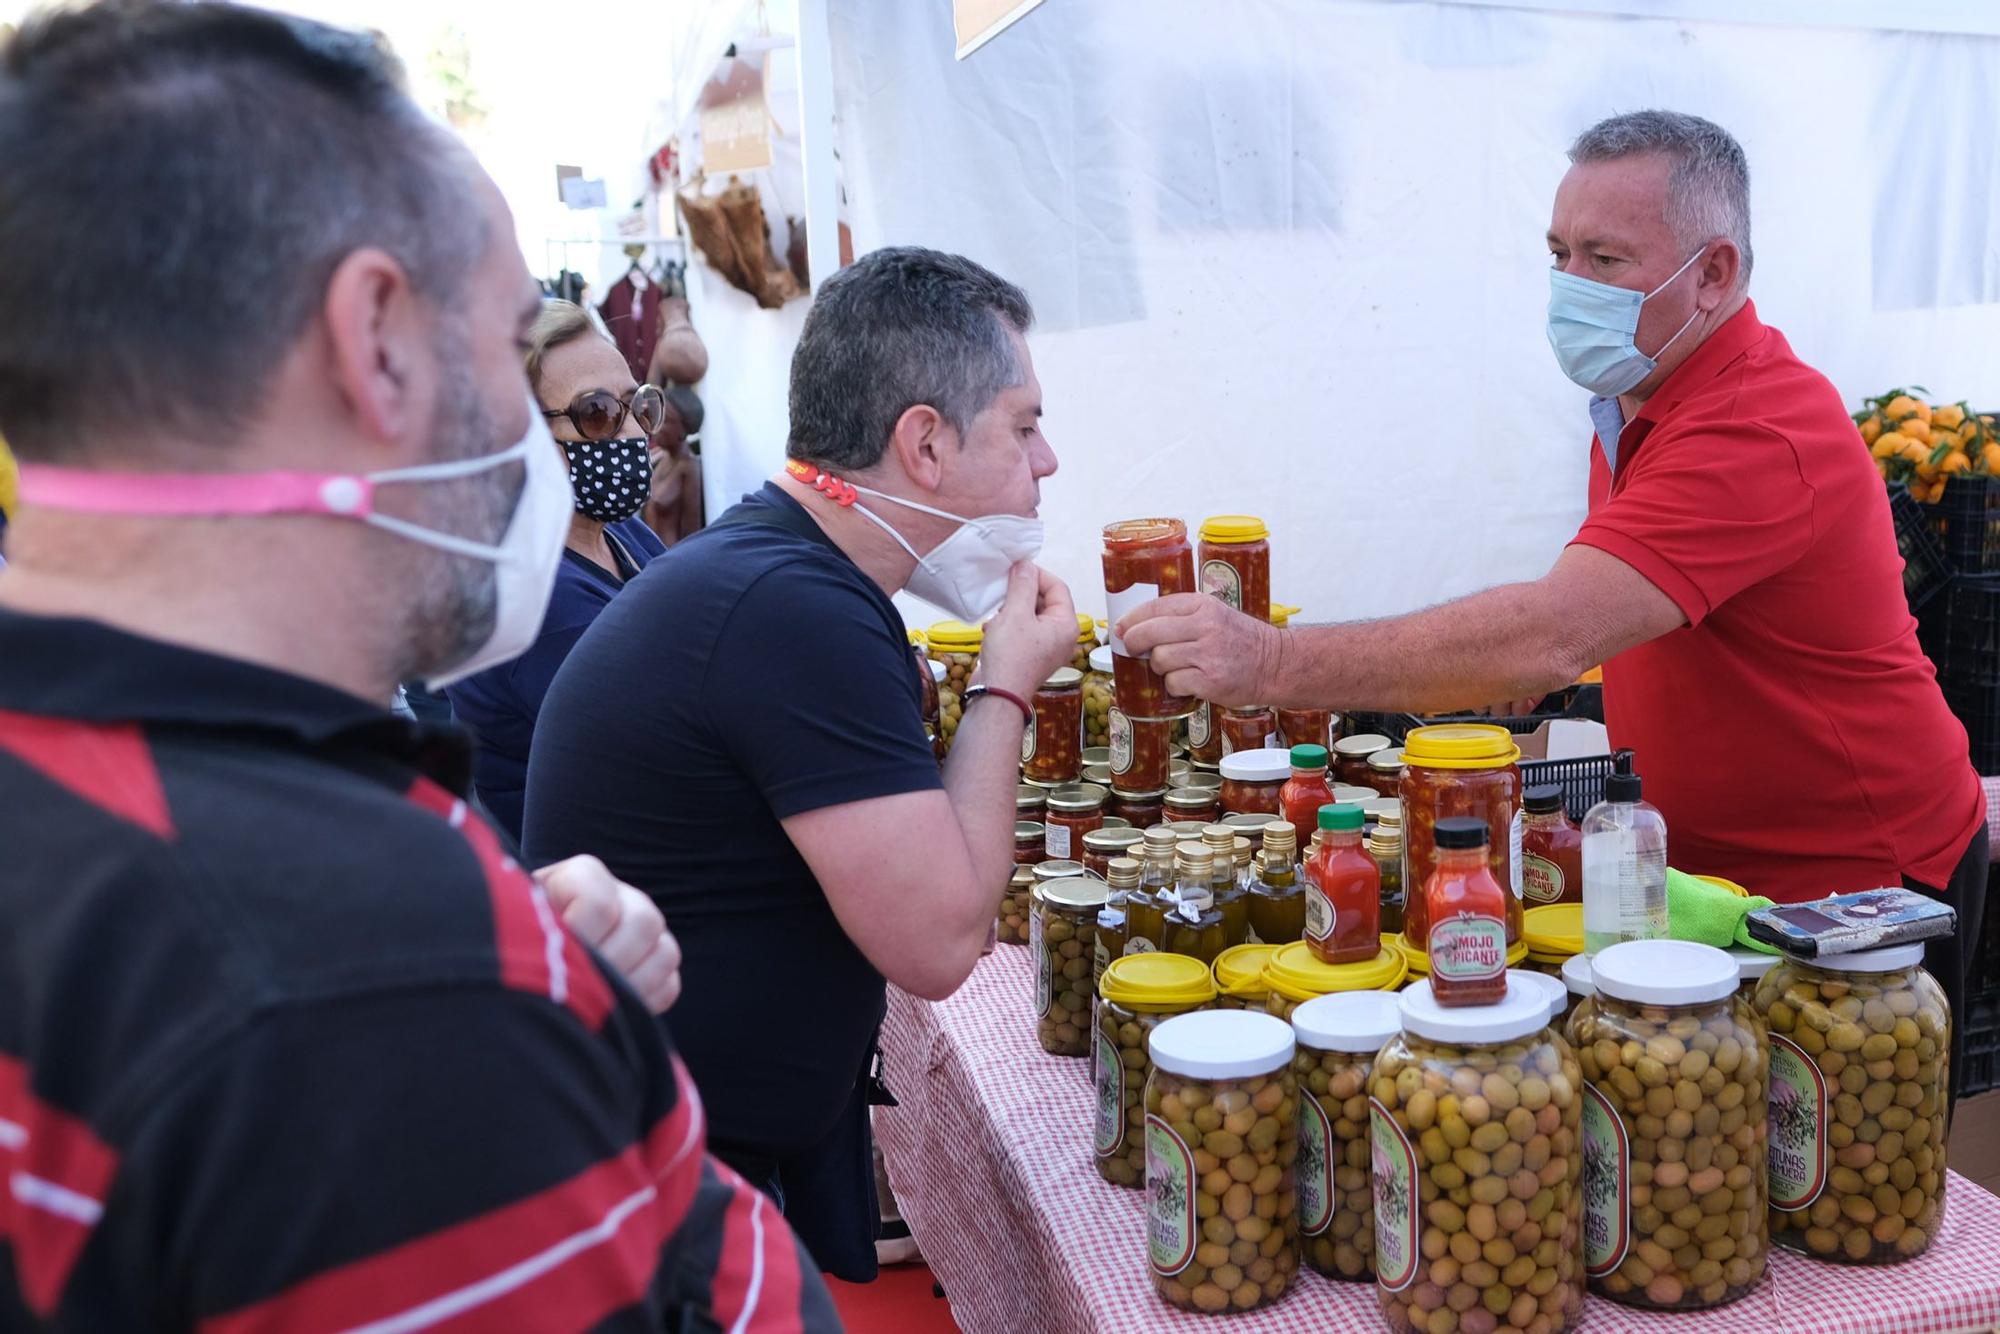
<point x="761" y="767"/>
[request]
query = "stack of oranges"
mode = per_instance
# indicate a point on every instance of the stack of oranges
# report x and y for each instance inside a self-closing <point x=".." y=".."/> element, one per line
<point x="1925" y="445"/>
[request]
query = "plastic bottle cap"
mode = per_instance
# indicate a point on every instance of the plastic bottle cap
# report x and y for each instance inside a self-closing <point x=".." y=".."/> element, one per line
<point x="1551" y="989"/>
<point x="1079" y="893"/>
<point x="1124" y="872"/>
<point x="1623" y="786"/>
<point x="1257" y="766"/>
<point x="1892" y="959"/>
<point x="1752" y="964"/>
<point x="1063" y="678"/>
<point x="1352" y="1021"/>
<point x="1460" y="832"/>
<point x="1663" y="972"/>
<point x="1518" y="1014"/>
<point x="1309" y="757"/>
<point x="1544" y="800"/>
<point x="1345" y="817"/>
<point x="1217" y="835"/>
<point x="1222" y="1044"/>
<point x="1576" y="975"/>
<point x="1157" y="981"/>
<point x="1100" y="660"/>
<point x="1162" y="837"/>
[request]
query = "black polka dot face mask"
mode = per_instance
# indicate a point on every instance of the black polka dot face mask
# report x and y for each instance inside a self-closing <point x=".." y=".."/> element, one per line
<point x="611" y="478"/>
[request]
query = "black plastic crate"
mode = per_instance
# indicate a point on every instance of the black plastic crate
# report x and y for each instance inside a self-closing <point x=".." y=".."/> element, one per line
<point x="1967" y="521"/>
<point x="1585" y="702"/>
<point x="1581" y="780"/>
<point x="1926" y="570"/>
<point x="1982" y="1009"/>
<point x="1960" y="633"/>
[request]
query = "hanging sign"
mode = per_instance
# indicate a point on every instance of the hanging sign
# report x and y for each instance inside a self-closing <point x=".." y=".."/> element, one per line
<point x="979" y="21"/>
<point x="736" y="135"/>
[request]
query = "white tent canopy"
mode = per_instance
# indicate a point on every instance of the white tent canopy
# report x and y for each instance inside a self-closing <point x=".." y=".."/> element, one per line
<point x="1292" y="263"/>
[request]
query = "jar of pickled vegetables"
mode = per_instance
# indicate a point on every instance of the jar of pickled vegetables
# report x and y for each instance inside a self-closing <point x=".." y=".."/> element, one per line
<point x="1675" y="1216"/>
<point x="1052" y="742"/>
<point x="1236" y="563"/>
<point x="956" y="645"/>
<point x="1097" y="706"/>
<point x="1239" y="977"/>
<point x="1191" y="805"/>
<point x="1751" y="965"/>
<point x="1859" y="1048"/>
<point x="1295" y="975"/>
<point x="1252" y="780"/>
<point x="1010" y="924"/>
<point x="1460" y="769"/>
<point x="1461" y="1102"/>
<point x="1073" y="811"/>
<point x="1385" y="773"/>
<point x="1101" y="846"/>
<point x="1062" y="933"/>
<point x="1197" y="776"/>
<point x="1305" y="727"/>
<point x="1137" y="993"/>
<point x="1030" y="802"/>
<point x="1221" y="1142"/>
<point x="1350" y="757"/>
<point x="1338" y="1039"/>
<point x="1254" y="728"/>
<point x="1144" y="559"/>
<point x="1141" y="753"/>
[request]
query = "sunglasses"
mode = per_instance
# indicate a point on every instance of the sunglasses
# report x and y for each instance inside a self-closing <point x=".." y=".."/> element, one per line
<point x="597" y="414"/>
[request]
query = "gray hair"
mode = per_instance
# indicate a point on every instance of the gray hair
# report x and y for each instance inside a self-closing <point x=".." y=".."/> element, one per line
<point x="897" y="328"/>
<point x="1708" y="188"/>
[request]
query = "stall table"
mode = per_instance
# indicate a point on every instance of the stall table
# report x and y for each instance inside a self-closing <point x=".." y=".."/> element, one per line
<point x="989" y="1155"/>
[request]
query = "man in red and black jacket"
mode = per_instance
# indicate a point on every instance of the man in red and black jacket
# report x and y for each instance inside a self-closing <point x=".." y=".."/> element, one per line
<point x="286" y="1041"/>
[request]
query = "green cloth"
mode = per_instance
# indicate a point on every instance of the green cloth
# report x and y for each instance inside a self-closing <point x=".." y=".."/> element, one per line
<point x="1697" y="910"/>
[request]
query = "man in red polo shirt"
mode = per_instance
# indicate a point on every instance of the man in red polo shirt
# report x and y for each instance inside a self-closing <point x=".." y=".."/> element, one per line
<point x="1737" y="574"/>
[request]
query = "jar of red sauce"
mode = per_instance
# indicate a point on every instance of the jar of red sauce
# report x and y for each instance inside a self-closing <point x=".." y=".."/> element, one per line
<point x="1385" y="772"/>
<point x="1142" y="753"/>
<point x="1305" y="791"/>
<point x="1236" y="562"/>
<point x="1551" y="849"/>
<point x="1343" y="890"/>
<point x="1073" y="811"/>
<point x="1144" y="559"/>
<point x="1254" y="728"/>
<point x="1305" y="727"/>
<point x="1192" y="805"/>
<point x="1467" y="910"/>
<point x="1103" y="846"/>
<point x="1204" y="728"/>
<point x="1252" y="780"/>
<point x="1460" y="769"/>
<point x="1350" y="757"/>
<point x="1052" y="743"/>
<point x="1139" y="810"/>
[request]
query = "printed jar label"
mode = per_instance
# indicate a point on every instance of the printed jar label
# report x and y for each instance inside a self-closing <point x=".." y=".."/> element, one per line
<point x="1316" y="1189"/>
<point x="1028" y="742"/>
<point x="1319" y="914"/>
<point x="1140" y="945"/>
<point x="1170" y="1218"/>
<point x="1108" y="1133"/>
<point x="1466" y="948"/>
<point x="1607" y="1184"/>
<point x="1121" y="604"/>
<point x="1200" y="723"/>
<point x="1797" y="1126"/>
<point x="1100" y="955"/>
<point x="1394" y="1164"/>
<point x="1118" y="730"/>
<point x="1055" y="841"/>
<point x="1043" y="988"/>
<point x="1542" y="881"/>
<point x="1220" y="579"/>
<point x="1514" y="832"/>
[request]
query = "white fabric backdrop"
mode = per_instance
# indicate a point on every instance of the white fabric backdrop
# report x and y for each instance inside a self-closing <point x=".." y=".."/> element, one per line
<point x="1293" y="264"/>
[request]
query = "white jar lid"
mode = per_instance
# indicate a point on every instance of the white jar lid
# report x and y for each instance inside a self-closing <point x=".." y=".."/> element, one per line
<point x="1100" y="660"/>
<point x="1892" y="958"/>
<point x="1258" y="766"/>
<point x="1517" y="1015"/>
<point x="1551" y="989"/>
<point x="1576" y="975"/>
<point x="1356" y="1021"/>
<point x="1753" y="964"/>
<point x="1222" y="1044"/>
<point x="1664" y="972"/>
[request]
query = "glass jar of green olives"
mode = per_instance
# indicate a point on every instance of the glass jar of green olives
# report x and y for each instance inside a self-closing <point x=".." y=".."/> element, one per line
<point x="1062" y="933"/>
<point x="1339" y="1037"/>
<point x="1137" y="993"/>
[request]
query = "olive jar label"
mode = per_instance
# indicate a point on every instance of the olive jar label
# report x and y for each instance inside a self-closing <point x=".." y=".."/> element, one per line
<point x="1397" y="1233"/>
<point x="1607" y="1185"/>
<point x="1170" y="1199"/>
<point x="1108" y="1133"/>
<point x="1317" y="1198"/>
<point x="1797" y="1126"/>
<point x="1044" y="984"/>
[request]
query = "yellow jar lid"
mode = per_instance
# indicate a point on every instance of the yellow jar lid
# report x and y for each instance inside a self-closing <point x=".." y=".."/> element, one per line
<point x="1086" y="629"/>
<point x="1420" y="962"/>
<point x="918" y="639"/>
<point x="955" y="637"/>
<point x="1554" y="928"/>
<point x="1295" y="973"/>
<point x="1282" y="614"/>
<point x="1155" y="981"/>
<point x="1229" y="529"/>
<point x="1456" y="745"/>
<point x="1239" y="970"/>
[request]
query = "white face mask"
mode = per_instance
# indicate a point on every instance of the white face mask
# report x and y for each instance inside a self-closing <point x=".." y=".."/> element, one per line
<point x="525" y="559"/>
<point x="966" y="574"/>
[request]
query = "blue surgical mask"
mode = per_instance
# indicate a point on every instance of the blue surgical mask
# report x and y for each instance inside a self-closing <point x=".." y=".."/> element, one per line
<point x="1591" y="328"/>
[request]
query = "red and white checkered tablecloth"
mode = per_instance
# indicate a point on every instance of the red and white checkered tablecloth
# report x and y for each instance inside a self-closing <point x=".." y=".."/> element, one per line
<point x="989" y="1154"/>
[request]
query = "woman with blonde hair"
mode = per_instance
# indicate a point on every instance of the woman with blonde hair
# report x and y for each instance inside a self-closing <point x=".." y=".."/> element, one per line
<point x="602" y="421"/>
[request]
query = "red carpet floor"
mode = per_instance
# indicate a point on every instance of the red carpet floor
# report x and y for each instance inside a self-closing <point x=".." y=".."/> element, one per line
<point x="899" y="1302"/>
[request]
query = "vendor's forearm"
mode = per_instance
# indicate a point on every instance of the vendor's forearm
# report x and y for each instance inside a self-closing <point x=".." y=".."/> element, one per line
<point x="1503" y="643"/>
